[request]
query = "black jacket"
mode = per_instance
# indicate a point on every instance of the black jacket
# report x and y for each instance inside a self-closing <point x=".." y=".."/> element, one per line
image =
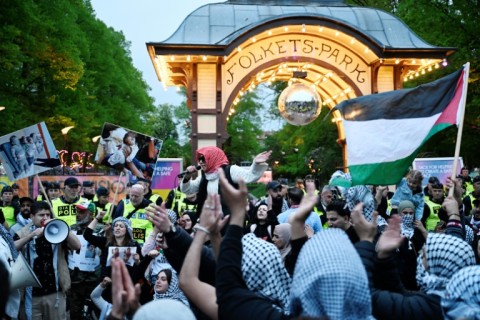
<point x="390" y="300"/>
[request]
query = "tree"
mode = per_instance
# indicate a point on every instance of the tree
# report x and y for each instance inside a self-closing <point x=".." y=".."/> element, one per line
<point x="57" y="61"/>
<point x="244" y="129"/>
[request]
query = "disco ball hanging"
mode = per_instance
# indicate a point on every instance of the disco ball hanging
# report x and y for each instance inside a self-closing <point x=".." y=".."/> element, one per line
<point x="299" y="104"/>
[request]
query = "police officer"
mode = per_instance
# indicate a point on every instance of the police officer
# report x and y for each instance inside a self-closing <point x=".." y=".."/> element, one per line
<point x="134" y="210"/>
<point x="64" y="208"/>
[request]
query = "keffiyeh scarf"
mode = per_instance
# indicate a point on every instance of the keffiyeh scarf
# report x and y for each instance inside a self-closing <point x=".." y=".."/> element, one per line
<point x="445" y="254"/>
<point x="173" y="291"/>
<point x="264" y="273"/>
<point x="462" y="295"/>
<point x="9" y="240"/>
<point x="330" y="280"/>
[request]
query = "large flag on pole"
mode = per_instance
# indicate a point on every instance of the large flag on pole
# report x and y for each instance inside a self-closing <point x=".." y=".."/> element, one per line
<point x="385" y="131"/>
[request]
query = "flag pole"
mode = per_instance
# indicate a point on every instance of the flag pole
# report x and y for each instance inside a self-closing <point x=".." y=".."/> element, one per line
<point x="44" y="193"/>
<point x="461" y="117"/>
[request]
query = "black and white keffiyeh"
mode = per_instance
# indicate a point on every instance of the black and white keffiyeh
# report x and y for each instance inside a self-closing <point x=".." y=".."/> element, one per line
<point x="462" y="295"/>
<point x="173" y="291"/>
<point x="408" y="227"/>
<point x="469" y="235"/>
<point x="445" y="255"/>
<point x="264" y="272"/>
<point x="361" y="193"/>
<point x="330" y="280"/>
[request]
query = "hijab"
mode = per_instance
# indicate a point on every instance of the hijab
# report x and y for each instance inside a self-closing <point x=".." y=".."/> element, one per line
<point x="462" y="295"/>
<point x="173" y="291"/>
<point x="446" y="255"/>
<point x="264" y="273"/>
<point x="330" y="280"/>
<point x="284" y="231"/>
<point x="214" y="158"/>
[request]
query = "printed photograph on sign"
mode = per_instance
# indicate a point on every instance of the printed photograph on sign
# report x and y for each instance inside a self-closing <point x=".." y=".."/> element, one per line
<point x="128" y="151"/>
<point x="125" y="253"/>
<point x="28" y="151"/>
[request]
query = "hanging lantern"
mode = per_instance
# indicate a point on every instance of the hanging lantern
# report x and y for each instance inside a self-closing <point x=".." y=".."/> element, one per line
<point x="299" y="104"/>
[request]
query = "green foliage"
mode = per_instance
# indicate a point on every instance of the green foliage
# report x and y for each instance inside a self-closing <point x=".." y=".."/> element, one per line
<point x="162" y="124"/>
<point x="244" y="129"/>
<point x="61" y="65"/>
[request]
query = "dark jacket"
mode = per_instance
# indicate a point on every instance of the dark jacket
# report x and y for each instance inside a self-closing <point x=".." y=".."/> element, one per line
<point x="390" y="300"/>
<point x="234" y="299"/>
<point x="178" y="244"/>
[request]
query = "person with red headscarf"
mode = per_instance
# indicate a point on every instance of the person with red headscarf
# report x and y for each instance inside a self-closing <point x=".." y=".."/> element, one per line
<point x="211" y="159"/>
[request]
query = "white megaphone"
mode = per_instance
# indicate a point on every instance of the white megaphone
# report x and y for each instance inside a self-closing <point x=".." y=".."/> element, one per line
<point x="56" y="231"/>
<point x="22" y="275"/>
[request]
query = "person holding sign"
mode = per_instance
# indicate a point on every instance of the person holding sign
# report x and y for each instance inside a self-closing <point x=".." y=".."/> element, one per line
<point x="84" y="265"/>
<point x="134" y="210"/>
<point x="119" y="239"/>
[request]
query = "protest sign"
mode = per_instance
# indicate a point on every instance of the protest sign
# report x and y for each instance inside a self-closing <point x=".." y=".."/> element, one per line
<point x="28" y="152"/>
<point x="127" y="151"/>
<point x="436" y="167"/>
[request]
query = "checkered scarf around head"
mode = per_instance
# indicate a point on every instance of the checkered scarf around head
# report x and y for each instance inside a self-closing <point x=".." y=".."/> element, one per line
<point x="214" y="158"/>
<point x="462" y="295"/>
<point x="469" y="235"/>
<point x="330" y="279"/>
<point x="361" y="193"/>
<point x="173" y="291"/>
<point x="264" y="273"/>
<point x="446" y="255"/>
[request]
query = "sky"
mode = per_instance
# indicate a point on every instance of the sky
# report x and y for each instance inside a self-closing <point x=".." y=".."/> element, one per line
<point x="143" y="21"/>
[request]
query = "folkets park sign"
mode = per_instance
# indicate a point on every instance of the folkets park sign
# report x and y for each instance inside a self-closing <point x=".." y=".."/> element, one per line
<point x="333" y="55"/>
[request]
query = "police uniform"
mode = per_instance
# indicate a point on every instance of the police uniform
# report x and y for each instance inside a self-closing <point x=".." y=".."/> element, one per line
<point x="66" y="211"/>
<point x="141" y="226"/>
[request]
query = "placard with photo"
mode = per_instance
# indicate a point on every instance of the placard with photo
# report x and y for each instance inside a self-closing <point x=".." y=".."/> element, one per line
<point x="125" y="253"/>
<point x="28" y="152"/>
<point x="128" y="151"/>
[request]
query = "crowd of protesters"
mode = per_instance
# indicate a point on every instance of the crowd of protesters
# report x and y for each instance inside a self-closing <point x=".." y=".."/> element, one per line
<point x="212" y="251"/>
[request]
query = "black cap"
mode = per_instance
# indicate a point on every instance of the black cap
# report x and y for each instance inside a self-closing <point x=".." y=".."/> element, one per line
<point x="71" y="182"/>
<point x="273" y="185"/>
<point x="7" y="189"/>
<point x="87" y="183"/>
<point x="102" y="191"/>
<point x="15" y="186"/>
<point x="476" y="179"/>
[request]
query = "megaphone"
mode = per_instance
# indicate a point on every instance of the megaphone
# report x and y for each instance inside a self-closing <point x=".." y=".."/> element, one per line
<point x="56" y="231"/>
<point x="22" y="275"/>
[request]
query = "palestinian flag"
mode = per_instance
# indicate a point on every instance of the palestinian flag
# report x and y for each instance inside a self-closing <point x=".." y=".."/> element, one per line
<point x="384" y="132"/>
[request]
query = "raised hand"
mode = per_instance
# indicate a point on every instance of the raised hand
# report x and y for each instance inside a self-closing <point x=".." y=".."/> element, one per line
<point x="391" y="239"/>
<point x="234" y="198"/>
<point x="366" y="231"/>
<point x="125" y="296"/>
<point x="263" y="157"/>
<point x="159" y="217"/>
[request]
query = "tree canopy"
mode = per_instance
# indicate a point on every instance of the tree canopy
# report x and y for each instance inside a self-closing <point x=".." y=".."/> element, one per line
<point x="61" y="65"/>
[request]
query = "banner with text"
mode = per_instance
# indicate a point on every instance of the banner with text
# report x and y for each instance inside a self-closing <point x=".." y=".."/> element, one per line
<point x="436" y="167"/>
<point x="165" y="175"/>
